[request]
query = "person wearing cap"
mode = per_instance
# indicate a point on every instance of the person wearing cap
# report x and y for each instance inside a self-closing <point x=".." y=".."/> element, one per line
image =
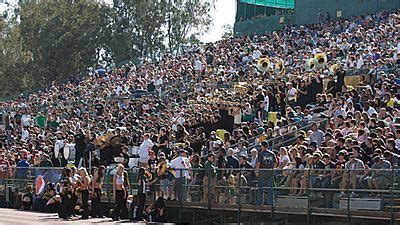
<point x="266" y="162"/>
<point x="379" y="176"/>
<point x="181" y="165"/>
<point x="210" y="179"/>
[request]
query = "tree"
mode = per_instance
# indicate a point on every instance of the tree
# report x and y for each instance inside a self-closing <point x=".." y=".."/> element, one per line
<point x="14" y="61"/>
<point x="227" y="31"/>
<point x="187" y="19"/>
<point x="137" y="28"/>
<point x="53" y="40"/>
<point x="62" y="37"/>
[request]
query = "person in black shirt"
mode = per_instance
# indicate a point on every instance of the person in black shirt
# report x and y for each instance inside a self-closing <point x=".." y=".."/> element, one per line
<point x="80" y="146"/>
<point x="151" y="87"/>
<point x="248" y="170"/>
<point x="99" y="108"/>
<point x="232" y="161"/>
<point x="330" y="88"/>
<point x="318" y="166"/>
<point x="162" y="143"/>
<point x="303" y="95"/>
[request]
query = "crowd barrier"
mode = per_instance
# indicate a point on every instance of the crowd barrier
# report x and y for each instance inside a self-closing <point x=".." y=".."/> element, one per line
<point x="289" y="189"/>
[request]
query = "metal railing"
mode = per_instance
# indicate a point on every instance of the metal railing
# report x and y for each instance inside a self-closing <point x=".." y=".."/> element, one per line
<point x="347" y="194"/>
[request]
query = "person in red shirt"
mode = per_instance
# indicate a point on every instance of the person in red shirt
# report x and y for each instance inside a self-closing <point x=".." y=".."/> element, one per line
<point x="4" y="166"/>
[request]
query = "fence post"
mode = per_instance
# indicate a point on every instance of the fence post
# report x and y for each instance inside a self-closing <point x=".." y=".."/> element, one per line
<point x="348" y="196"/>
<point x="391" y="198"/>
<point x="209" y="193"/>
<point x="180" y="196"/>
<point x="273" y="196"/>
<point x="239" y="197"/>
<point x="308" y="197"/>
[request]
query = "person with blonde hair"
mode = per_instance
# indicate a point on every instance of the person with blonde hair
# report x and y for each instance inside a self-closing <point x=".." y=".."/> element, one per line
<point x="119" y="191"/>
<point x="84" y="181"/>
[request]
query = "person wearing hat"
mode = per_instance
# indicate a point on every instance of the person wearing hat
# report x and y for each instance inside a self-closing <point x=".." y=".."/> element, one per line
<point x="210" y="178"/>
<point x="181" y="165"/>
<point x="266" y="162"/>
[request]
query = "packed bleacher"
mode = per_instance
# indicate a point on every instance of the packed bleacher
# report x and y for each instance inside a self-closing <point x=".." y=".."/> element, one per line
<point x="318" y="103"/>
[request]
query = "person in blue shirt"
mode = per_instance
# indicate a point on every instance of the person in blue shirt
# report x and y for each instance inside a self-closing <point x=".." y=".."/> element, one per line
<point x="22" y="168"/>
<point x="266" y="162"/>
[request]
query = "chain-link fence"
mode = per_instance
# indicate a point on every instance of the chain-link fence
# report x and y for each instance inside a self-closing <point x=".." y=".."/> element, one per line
<point x="304" y="191"/>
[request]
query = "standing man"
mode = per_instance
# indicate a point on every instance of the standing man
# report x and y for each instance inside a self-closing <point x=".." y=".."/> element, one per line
<point x="181" y="164"/>
<point x="80" y="146"/>
<point x="144" y="149"/>
<point x="291" y="94"/>
<point x="266" y="162"/>
<point x="209" y="180"/>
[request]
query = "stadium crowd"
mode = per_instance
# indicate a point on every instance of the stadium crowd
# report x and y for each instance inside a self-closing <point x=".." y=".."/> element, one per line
<point x="212" y="108"/>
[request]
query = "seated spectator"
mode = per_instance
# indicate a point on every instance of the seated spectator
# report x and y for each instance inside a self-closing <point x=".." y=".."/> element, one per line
<point x="378" y="177"/>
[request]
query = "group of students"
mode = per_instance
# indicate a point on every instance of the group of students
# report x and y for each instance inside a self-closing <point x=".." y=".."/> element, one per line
<point x="77" y="192"/>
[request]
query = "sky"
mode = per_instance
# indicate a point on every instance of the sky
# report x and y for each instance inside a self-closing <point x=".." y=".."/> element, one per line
<point x="224" y="13"/>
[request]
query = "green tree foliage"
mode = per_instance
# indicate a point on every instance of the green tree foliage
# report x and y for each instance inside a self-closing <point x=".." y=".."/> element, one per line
<point x="62" y="36"/>
<point x="137" y="28"/>
<point x="187" y="20"/>
<point x="47" y="41"/>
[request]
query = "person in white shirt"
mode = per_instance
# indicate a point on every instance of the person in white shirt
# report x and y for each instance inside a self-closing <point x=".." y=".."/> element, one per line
<point x="181" y="165"/>
<point x="144" y="149"/>
<point x="26" y="120"/>
<point x="360" y="62"/>
<point x="291" y="94"/>
<point x="198" y="65"/>
<point x="254" y="156"/>
<point x="25" y="134"/>
<point x="256" y="54"/>
<point x="266" y="105"/>
<point x="370" y="110"/>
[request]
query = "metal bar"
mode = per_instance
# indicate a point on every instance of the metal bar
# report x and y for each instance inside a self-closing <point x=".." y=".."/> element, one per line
<point x="391" y="198"/>
<point x="181" y="198"/>
<point x="308" y="198"/>
<point x="239" y="203"/>
<point x="348" y="197"/>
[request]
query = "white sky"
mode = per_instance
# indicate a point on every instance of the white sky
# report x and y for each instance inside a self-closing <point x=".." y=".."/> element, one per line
<point x="224" y="13"/>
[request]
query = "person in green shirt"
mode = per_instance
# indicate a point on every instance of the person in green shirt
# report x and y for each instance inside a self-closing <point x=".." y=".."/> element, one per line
<point x="210" y="177"/>
<point x="41" y="120"/>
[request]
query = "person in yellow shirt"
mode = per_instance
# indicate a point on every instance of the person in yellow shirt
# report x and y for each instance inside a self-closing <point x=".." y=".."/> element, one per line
<point x="389" y="100"/>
